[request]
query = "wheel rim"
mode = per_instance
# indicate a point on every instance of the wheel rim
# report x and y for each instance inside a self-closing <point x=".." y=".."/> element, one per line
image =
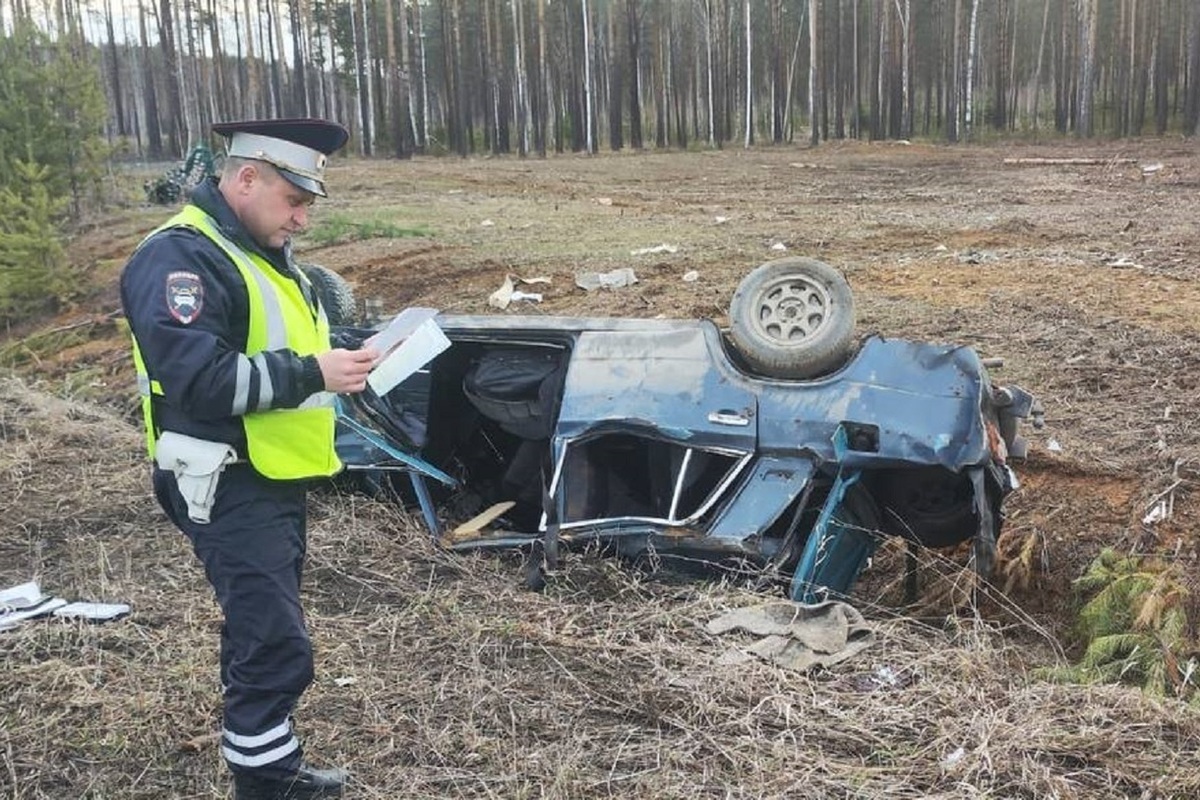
<point x="791" y="309"/>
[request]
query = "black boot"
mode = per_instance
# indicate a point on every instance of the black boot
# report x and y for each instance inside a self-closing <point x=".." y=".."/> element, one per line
<point x="306" y="784"/>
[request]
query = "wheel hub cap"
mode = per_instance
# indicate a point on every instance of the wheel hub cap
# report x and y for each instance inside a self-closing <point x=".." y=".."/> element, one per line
<point x="792" y="309"/>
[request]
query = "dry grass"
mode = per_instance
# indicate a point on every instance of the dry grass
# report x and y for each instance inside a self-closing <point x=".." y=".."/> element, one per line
<point x="440" y="676"/>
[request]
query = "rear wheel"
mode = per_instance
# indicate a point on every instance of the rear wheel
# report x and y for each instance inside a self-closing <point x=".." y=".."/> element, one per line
<point x="334" y="293"/>
<point x="932" y="505"/>
<point x="793" y="318"/>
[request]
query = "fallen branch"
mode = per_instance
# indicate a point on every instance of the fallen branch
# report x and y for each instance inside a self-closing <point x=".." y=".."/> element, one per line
<point x="1082" y="162"/>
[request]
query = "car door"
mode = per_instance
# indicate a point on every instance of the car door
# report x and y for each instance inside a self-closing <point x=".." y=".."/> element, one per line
<point x="654" y="425"/>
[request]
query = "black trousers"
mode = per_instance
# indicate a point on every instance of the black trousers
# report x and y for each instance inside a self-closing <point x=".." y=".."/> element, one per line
<point x="253" y="554"/>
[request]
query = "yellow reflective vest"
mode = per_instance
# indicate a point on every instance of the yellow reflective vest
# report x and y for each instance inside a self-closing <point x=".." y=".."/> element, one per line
<point x="282" y="443"/>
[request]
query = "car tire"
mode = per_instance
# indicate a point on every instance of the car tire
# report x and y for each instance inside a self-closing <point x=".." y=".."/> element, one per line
<point x="930" y="505"/>
<point x="793" y="318"/>
<point x="335" y="294"/>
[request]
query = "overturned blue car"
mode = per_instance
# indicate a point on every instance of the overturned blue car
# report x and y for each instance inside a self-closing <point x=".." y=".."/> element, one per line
<point x="782" y="444"/>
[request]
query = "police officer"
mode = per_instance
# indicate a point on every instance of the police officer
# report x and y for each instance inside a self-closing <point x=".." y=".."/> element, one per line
<point x="238" y="374"/>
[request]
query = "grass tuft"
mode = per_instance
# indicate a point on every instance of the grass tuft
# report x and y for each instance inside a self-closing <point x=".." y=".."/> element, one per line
<point x="341" y="228"/>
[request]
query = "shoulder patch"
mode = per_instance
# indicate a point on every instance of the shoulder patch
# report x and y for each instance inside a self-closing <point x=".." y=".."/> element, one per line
<point x="185" y="296"/>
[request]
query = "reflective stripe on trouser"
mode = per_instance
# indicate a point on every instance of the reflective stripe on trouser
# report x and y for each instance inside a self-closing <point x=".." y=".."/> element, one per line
<point x="253" y="552"/>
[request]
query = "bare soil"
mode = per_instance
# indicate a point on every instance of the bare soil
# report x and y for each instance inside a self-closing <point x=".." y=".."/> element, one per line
<point x="441" y="677"/>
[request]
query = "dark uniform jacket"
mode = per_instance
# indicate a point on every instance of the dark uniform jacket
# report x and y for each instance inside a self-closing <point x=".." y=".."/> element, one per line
<point x="188" y="307"/>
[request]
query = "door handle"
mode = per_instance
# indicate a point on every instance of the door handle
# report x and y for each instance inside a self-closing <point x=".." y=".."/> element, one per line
<point x="727" y="417"/>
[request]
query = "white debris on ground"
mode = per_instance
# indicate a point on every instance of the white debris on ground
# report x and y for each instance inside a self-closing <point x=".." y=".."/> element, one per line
<point x="26" y="601"/>
<point x="508" y="293"/>
<point x="615" y="279"/>
<point x="661" y="248"/>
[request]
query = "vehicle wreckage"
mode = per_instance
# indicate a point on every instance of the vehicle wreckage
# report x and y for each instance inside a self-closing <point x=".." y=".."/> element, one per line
<point x="781" y="444"/>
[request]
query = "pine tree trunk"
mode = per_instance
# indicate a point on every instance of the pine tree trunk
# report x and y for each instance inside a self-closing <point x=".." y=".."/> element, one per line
<point x="405" y="120"/>
<point x="450" y="47"/>
<point x="1037" y="73"/>
<point x="225" y="89"/>
<point x="189" y="76"/>
<point x="709" y="72"/>
<point x="1000" y="73"/>
<point x="904" y="13"/>
<point x="299" y="68"/>
<point x="253" y="94"/>
<point x="491" y="76"/>
<point x="613" y="67"/>
<point x="321" y="62"/>
<point x="422" y="133"/>
<point x="266" y="41"/>
<point x="633" y="37"/>
<point x="391" y="81"/>
<point x="588" y="100"/>
<point x="154" y="143"/>
<point x="166" y="39"/>
<point x="971" y="43"/>
<point x="545" y="105"/>
<point x="856" y="119"/>
<point x="839" y="76"/>
<point x="954" y="83"/>
<point x="790" y="77"/>
<point x="814" y="64"/>
<point x="749" y="135"/>
<point x="1087" y="67"/>
<point x="114" y="70"/>
<point x="521" y="109"/>
<point x="1159" y="81"/>
<point x="368" y="73"/>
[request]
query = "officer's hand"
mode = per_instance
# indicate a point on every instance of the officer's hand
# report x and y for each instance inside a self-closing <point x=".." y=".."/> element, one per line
<point x="369" y="344"/>
<point x="346" y="370"/>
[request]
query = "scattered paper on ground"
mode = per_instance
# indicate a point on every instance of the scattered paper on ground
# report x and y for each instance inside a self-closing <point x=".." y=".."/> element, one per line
<point x="508" y="293"/>
<point x="612" y="280"/>
<point x="658" y="248"/>
<point x="502" y="296"/>
<point x="26" y="601"/>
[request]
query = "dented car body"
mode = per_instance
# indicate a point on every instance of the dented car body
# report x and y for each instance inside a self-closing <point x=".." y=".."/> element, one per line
<point x="656" y="437"/>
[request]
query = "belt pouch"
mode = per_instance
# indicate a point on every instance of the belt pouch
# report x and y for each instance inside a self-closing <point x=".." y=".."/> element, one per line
<point x="197" y="465"/>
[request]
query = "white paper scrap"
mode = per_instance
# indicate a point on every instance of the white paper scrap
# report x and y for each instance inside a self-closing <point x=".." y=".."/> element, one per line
<point x="662" y="248"/>
<point x="95" y="612"/>
<point x="11" y="618"/>
<point x="417" y="350"/>
<point x="22" y="595"/>
<point x="502" y="296"/>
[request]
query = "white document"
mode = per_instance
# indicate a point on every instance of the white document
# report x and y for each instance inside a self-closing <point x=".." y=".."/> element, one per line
<point x="418" y="349"/>
<point x="401" y="327"/>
